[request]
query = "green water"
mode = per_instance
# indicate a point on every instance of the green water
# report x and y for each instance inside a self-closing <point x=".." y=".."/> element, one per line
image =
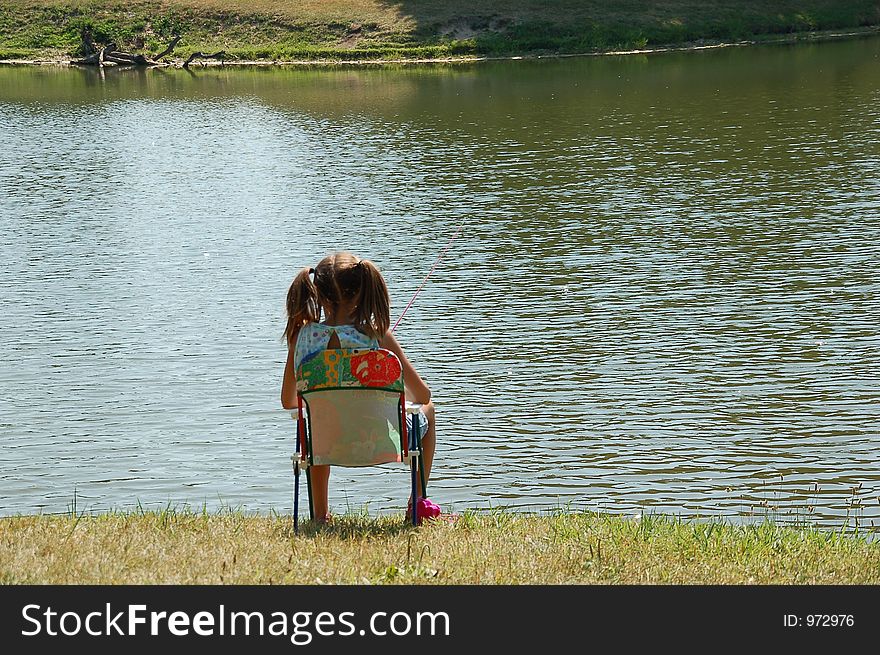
<point x="664" y="297"/>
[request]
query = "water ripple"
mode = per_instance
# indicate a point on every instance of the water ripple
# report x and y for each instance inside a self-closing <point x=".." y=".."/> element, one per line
<point x="664" y="297"/>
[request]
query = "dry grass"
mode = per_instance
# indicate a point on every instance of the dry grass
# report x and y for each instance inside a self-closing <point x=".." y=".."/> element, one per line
<point x="494" y="548"/>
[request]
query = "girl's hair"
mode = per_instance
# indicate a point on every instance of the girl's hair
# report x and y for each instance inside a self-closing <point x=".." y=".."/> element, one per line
<point x="340" y="277"/>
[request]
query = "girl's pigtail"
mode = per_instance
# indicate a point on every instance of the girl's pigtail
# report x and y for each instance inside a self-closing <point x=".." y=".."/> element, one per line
<point x="373" y="313"/>
<point x="302" y="304"/>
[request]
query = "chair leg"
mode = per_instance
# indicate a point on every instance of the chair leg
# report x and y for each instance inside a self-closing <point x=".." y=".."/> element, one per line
<point x="415" y="490"/>
<point x="296" y="496"/>
<point x="309" y="487"/>
<point x="415" y="441"/>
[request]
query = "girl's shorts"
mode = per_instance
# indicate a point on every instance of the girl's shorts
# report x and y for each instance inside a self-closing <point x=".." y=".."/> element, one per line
<point x="423" y="423"/>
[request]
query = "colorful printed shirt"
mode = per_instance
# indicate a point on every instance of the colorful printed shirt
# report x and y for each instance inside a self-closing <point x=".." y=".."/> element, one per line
<point x="314" y="337"/>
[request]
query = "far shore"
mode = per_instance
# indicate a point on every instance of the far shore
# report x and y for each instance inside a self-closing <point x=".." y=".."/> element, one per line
<point x="378" y="33"/>
<point x="799" y="37"/>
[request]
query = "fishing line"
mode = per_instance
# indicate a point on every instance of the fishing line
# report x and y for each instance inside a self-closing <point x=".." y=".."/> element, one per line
<point x="419" y="290"/>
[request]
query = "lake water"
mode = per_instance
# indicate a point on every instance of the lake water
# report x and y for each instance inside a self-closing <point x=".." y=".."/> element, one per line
<point x="664" y="297"/>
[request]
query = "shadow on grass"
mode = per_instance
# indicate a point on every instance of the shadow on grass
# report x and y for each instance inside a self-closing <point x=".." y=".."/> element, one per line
<point x="505" y="27"/>
<point x="349" y="526"/>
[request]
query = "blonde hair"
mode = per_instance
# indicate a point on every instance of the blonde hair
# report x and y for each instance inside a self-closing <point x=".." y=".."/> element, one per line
<point x="340" y="277"/>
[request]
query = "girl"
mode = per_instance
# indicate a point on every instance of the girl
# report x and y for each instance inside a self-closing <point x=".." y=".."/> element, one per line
<point x="352" y="295"/>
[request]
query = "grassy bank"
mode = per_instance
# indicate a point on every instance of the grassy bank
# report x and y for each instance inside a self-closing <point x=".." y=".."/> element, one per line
<point x="494" y="548"/>
<point x="384" y="29"/>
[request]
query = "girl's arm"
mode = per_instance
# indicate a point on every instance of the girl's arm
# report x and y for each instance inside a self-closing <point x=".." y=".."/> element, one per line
<point x="288" y="384"/>
<point x="416" y="388"/>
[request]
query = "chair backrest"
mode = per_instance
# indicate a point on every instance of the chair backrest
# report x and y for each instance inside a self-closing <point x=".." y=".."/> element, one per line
<point x="354" y="399"/>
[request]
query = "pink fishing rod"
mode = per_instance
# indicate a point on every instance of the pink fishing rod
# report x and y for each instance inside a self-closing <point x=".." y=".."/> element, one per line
<point x="419" y="290"/>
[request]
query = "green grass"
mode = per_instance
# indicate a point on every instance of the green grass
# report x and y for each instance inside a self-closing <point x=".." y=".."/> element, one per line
<point x="497" y="547"/>
<point x="382" y="29"/>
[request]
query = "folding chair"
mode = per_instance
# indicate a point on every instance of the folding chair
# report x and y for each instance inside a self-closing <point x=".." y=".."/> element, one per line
<point x="351" y="411"/>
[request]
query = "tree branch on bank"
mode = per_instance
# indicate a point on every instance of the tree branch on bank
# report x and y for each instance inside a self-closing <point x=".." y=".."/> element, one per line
<point x="167" y="50"/>
<point x="201" y="55"/>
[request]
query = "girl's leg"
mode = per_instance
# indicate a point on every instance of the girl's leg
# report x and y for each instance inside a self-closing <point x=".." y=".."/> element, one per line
<point x="320" y="501"/>
<point x="429" y="440"/>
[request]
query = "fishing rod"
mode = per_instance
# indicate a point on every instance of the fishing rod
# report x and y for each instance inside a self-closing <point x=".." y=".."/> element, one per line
<point x="437" y="261"/>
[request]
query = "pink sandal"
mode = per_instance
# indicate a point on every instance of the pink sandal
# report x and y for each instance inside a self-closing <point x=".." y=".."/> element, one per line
<point x="426" y="509"/>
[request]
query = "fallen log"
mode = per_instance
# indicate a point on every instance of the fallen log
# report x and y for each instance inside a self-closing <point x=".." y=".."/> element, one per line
<point x="124" y="58"/>
<point x="109" y="56"/>
<point x="221" y="54"/>
<point x="106" y="51"/>
<point x="91" y="60"/>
